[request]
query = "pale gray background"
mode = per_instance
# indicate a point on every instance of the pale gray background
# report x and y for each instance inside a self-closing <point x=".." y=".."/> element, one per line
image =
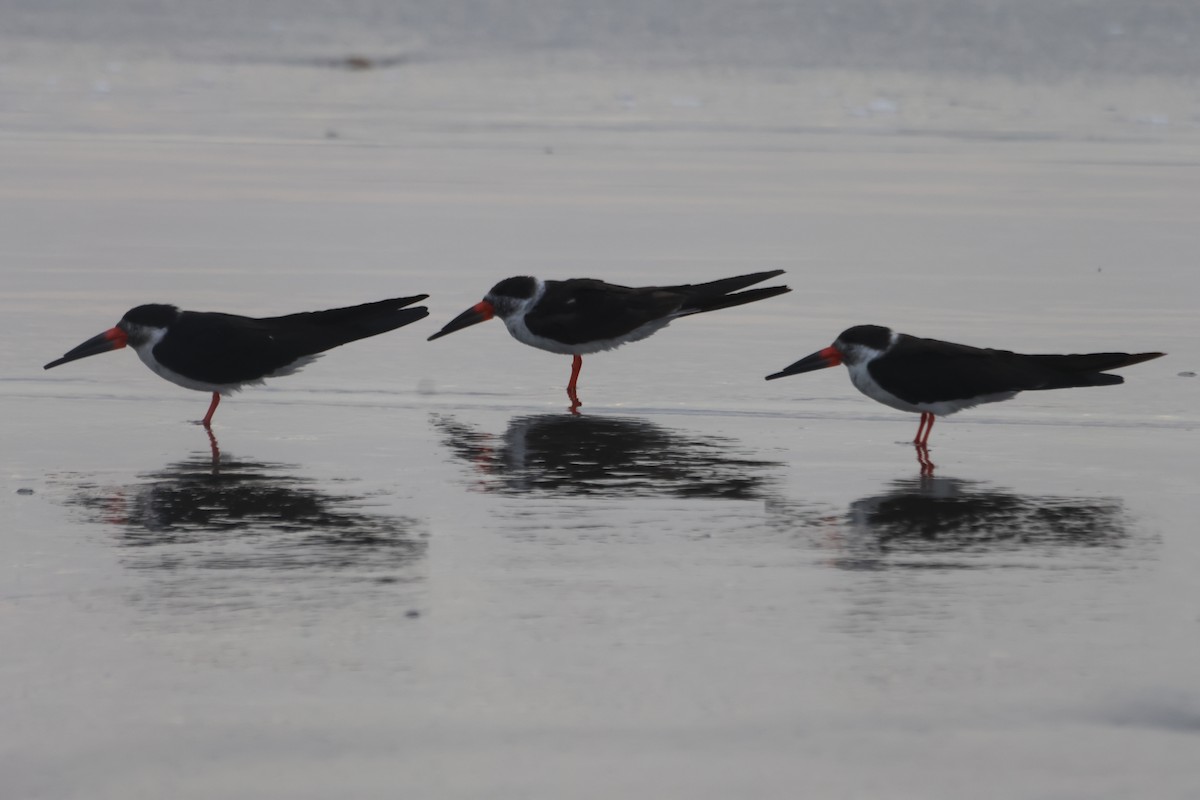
<point x="411" y="580"/>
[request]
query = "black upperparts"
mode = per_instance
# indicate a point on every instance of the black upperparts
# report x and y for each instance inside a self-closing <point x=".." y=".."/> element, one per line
<point x="1087" y="369"/>
<point x="932" y="371"/>
<point x="724" y="293"/>
<point x="521" y="287"/>
<point x="337" y="326"/>
<point x="875" y="337"/>
<point x="1094" y="362"/>
<point x="152" y="315"/>
<point x="229" y="349"/>
<point x="724" y="286"/>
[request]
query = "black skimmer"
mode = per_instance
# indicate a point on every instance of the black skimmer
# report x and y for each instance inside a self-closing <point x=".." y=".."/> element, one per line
<point x="581" y="316"/>
<point x="222" y="353"/>
<point x="934" y="378"/>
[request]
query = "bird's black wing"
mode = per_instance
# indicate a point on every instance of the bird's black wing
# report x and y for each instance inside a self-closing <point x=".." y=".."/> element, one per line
<point x="929" y="371"/>
<point x="726" y="292"/>
<point x="317" y="331"/>
<point x="226" y="348"/>
<point x="586" y="310"/>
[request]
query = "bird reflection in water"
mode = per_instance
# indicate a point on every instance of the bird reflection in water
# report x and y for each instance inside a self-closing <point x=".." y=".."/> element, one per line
<point x="604" y="456"/>
<point x="917" y="519"/>
<point x="214" y="448"/>
<point x="924" y="462"/>
<point x="201" y="516"/>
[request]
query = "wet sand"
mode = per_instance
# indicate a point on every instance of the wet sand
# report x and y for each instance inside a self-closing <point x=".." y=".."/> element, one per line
<point x="411" y="572"/>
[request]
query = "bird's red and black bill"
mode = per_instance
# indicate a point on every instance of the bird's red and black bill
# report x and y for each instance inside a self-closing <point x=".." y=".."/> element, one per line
<point x="480" y="312"/>
<point x="111" y="339"/>
<point x="829" y="357"/>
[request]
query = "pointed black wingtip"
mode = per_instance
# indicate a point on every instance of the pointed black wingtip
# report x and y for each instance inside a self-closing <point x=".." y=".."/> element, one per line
<point x="399" y="318"/>
<point x="758" y="277"/>
<point x="1138" y="358"/>
<point x="761" y="293"/>
<point x="401" y="302"/>
<point x="761" y="276"/>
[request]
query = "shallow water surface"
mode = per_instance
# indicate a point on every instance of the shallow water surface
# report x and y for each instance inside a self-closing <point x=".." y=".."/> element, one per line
<point x="407" y="570"/>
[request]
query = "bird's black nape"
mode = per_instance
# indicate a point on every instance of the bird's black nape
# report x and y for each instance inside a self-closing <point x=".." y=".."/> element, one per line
<point x="152" y="315"/>
<point x="520" y="287"/>
<point x="875" y="337"/>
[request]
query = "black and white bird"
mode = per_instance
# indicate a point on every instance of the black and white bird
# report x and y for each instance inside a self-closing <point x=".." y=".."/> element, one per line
<point x="581" y="316"/>
<point x="934" y="378"/>
<point x="223" y="353"/>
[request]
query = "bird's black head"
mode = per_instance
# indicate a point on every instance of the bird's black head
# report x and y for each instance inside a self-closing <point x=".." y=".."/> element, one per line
<point x="154" y="315"/>
<point x="140" y="327"/>
<point x="521" y="287"/>
<point x="511" y="295"/>
<point x="138" y="323"/>
<point x="876" y="337"/>
<point x="863" y="342"/>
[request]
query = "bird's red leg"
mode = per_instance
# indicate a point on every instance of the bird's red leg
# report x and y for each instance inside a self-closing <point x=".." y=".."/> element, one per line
<point x="207" y="421"/>
<point x="928" y="429"/>
<point x="572" y="393"/>
<point x="921" y="427"/>
<point x="922" y="443"/>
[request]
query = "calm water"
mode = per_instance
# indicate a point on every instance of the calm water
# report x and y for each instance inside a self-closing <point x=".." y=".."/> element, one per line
<point x="408" y="571"/>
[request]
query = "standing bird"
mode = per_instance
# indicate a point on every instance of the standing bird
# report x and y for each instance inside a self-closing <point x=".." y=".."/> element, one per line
<point x="934" y="378"/>
<point x="582" y="315"/>
<point x="222" y="353"/>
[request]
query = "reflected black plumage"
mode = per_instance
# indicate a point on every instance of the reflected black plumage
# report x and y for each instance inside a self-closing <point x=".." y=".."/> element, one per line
<point x="247" y="514"/>
<point x="605" y="456"/>
<point x="947" y="523"/>
<point x="946" y="514"/>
